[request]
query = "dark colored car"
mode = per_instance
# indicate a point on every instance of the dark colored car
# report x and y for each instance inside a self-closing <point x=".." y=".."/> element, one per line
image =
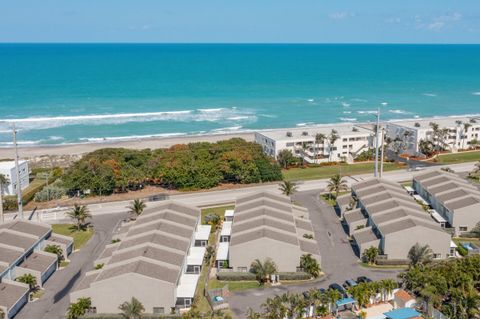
<point x="321" y="290"/>
<point x="363" y="279"/>
<point x="338" y="288"/>
<point x="349" y="283"/>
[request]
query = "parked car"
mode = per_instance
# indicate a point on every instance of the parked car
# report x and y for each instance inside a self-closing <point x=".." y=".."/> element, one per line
<point x="349" y="283"/>
<point x="339" y="288"/>
<point x="363" y="279"/>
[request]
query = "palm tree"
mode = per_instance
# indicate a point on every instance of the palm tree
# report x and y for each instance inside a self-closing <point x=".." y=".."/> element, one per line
<point x="79" y="308"/>
<point x="213" y="220"/>
<point x="288" y="188"/>
<point x="336" y="184"/>
<point x="55" y="249"/>
<point x="319" y="139"/>
<point x="263" y="270"/>
<point x="420" y="255"/>
<point x="273" y="308"/>
<point x="2" y="314"/>
<point x="253" y="314"/>
<point x="387" y="286"/>
<point x="29" y="280"/>
<point x="332" y="297"/>
<point x="132" y="310"/>
<point x="137" y="207"/>
<point x="3" y="181"/>
<point x="79" y="213"/>
<point x="332" y="138"/>
<point x="466" y="126"/>
<point x="435" y="128"/>
<point x="310" y="265"/>
<point x="370" y="254"/>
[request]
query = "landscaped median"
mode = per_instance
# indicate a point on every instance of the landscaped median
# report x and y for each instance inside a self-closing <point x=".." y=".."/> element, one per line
<point x="80" y="237"/>
<point x="460" y="157"/>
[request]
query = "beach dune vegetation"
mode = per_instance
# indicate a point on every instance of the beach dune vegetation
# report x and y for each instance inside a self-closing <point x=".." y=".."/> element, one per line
<point x="184" y="166"/>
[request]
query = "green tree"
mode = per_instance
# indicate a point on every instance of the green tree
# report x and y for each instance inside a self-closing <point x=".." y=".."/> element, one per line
<point x="214" y="220"/>
<point x="251" y="314"/>
<point x="263" y="270"/>
<point x="79" y="308"/>
<point x="3" y="182"/>
<point x="55" y="249"/>
<point x="79" y="214"/>
<point x="288" y="188"/>
<point x="332" y="297"/>
<point x="420" y="255"/>
<point x="319" y="139"/>
<point x="137" y="207"/>
<point x="310" y="265"/>
<point x="132" y="310"/>
<point x="332" y="138"/>
<point x="29" y="280"/>
<point x="387" y="286"/>
<point x="285" y="158"/>
<point x="2" y="314"/>
<point x="370" y="254"/>
<point x="336" y="184"/>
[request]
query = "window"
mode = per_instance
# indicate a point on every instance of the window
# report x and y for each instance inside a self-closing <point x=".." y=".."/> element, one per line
<point x="437" y="256"/>
<point x="345" y="140"/>
<point x="463" y="228"/>
<point x="158" y="310"/>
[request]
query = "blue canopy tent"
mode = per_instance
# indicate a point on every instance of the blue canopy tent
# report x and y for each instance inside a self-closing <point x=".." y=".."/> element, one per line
<point x="345" y="302"/>
<point x="402" y="313"/>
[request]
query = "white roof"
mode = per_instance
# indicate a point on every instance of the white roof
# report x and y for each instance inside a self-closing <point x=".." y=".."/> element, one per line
<point x="229" y="212"/>
<point x="452" y="244"/>
<point x="187" y="286"/>
<point x="222" y="252"/>
<point x="449" y="122"/>
<point x="10" y="164"/>
<point x="409" y="189"/>
<point x="343" y="129"/>
<point x="420" y="199"/>
<point x="226" y="229"/>
<point x="196" y="255"/>
<point x="203" y="232"/>
<point x="438" y="218"/>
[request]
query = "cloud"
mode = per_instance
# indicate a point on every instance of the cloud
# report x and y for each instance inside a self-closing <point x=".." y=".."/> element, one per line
<point x="341" y="15"/>
<point x="437" y="23"/>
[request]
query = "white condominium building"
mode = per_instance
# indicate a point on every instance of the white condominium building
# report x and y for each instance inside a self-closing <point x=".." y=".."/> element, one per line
<point x="304" y="142"/>
<point x="463" y="132"/>
<point x="8" y="170"/>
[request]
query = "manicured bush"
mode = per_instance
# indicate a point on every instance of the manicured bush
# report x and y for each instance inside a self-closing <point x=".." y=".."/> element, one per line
<point x="49" y="192"/>
<point x="235" y="276"/>
<point x="392" y="262"/>
<point x="462" y="250"/>
<point x="10" y="202"/>
<point x="294" y="275"/>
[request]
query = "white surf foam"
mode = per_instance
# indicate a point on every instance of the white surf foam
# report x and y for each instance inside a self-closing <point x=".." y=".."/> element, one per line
<point x="429" y="94"/>
<point x="126" y="138"/>
<point x="347" y="112"/>
<point x="367" y="112"/>
<point x="348" y="119"/>
<point x="476" y="93"/>
<point x="344" y="104"/>
<point x="398" y="112"/>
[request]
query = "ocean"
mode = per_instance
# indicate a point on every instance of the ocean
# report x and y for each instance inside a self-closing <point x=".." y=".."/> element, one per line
<point x="79" y="93"/>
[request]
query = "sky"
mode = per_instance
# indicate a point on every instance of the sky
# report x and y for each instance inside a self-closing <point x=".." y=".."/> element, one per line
<point x="241" y="21"/>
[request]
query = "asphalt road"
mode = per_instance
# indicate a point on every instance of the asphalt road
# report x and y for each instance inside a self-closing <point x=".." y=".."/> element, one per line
<point x="54" y="303"/>
<point x="339" y="262"/>
<point x="210" y="198"/>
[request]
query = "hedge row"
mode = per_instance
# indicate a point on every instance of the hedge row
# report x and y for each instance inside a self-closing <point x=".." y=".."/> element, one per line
<point x="235" y="276"/>
<point x="392" y="262"/>
<point x="240" y="276"/>
<point x="119" y="316"/>
<point x="294" y="275"/>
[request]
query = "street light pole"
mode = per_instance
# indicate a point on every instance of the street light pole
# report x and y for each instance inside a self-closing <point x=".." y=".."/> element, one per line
<point x="17" y="171"/>
<point x="376" y="143"/>
<point x="381" y="156"/>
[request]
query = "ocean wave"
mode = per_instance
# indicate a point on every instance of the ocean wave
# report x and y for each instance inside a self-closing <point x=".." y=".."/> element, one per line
<point x="399" y="112"/>
<point x="126" y="138"/>
<point x="344" y="104"/>
<point x="476" y="93"/>
<point x="347" y="112"/>
<point x="22" y="143"/>
<point x="311" y="100"/>
<point x="384" y="103"/>
<point x="367" y="112"/>
<point x="199" y="115"/>
<point x="358" y="100"/>
<point x="429" y="94"/>
<point x="348" y="119"/>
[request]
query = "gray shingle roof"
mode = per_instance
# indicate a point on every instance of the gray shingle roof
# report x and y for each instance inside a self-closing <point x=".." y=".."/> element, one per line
<point x="263" y="221"/>
<point x="353" y="216"/>
<point x="261" y="232"/>
<point x="38" y="262"/>
<point x="9" y="255"/>
<point x="141" y="267"/>
<point x="365" y="235"/>
<point x="156" y="253"/>
<point x="309" y="246"/>
<point x="10" y="294"/>
<point x="16" y="240"/>
<point x="399" y="225"/>
<point x="27" y="227"/>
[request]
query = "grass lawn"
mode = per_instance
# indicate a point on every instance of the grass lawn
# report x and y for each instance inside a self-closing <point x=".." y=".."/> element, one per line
<point x="320" y="172"/>
<point x="458" y="240"/>
<point x="80" y="238"/>
<point x="219" y="210"/>
<point x="383" y="266"/>
<point x="459" y="157"/>
<point x="233" y="285"/>
<point x="330" y="199"/>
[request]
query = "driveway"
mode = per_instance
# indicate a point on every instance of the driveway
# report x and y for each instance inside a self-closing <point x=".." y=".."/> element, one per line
<point x="338" y="259"/>
<point x="55" y="301"/>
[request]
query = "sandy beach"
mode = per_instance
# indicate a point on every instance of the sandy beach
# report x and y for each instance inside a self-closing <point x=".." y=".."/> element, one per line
<point x="76" y="150"/>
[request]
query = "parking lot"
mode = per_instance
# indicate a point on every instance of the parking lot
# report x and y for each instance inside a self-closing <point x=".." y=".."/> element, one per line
<point x="339" y="261"/>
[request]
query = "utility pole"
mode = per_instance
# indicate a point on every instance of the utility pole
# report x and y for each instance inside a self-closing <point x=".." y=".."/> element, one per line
<point x="381" y="156"/>
<point x="17" y="171"/>
<point x="376" y="143"/>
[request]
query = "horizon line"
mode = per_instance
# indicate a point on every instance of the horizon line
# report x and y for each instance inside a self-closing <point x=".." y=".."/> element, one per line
<point x="241" y="43"/>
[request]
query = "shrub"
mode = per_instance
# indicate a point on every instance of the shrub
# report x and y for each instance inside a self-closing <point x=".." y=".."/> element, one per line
<point x="294" y="275"/>
<point x="49" y="192"/>
<point x="10" y="202"/>
<point x="99" y="266"/>
<point x="235" y="276"/>
<point x="462" y="250"/>
<point x="392" y="262"/>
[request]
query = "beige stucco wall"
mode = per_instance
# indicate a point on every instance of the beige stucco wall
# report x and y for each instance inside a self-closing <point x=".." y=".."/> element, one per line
<point x="107" y="295"/>
<point x="467" y="216"/>
<point x="285" y="256"/>
<point x="397" y="245"/>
